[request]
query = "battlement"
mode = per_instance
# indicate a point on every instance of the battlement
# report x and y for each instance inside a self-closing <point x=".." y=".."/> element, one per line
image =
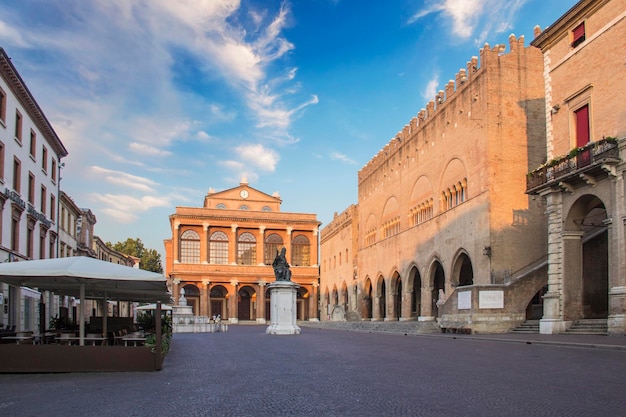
<point x="338" y="222"/>
<point x="489" y="58"/>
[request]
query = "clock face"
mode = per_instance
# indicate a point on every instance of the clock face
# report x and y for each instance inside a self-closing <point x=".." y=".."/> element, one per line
<point x="244" y="194"/>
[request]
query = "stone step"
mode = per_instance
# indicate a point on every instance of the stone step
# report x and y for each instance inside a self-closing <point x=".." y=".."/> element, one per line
<point x="589" y="326"/>
<point x="527" y="327"/>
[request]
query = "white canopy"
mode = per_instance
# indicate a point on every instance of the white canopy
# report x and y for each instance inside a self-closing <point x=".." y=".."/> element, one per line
<point x="101" y="279"/>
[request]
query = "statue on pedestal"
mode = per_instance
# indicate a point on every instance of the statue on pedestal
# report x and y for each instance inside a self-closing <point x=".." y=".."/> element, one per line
<point x="281" y="267"/>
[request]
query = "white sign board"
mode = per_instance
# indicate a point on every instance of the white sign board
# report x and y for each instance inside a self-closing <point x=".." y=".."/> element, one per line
<point x="491" y="299"/>
<point x="464" y="300"/>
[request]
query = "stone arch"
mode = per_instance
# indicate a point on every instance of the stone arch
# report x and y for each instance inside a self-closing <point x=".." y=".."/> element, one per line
<point x="335" y="296"/>
<point x="326" y="302"/>
<point x="437" y="280"/>
<point x="344" y="295"/>
<point x="192" y="295"/>
<point x="414" y="287"/>
<point x="422" y="192"/>
<point x="303" y="299"/>
<point x="462" y="270"/>
<point x="246" y="300"/>
<point x="381" y="297"/>
<point x="585" y="260"/>
<point x="218" y="305"/>
<point x="453" y="173"/>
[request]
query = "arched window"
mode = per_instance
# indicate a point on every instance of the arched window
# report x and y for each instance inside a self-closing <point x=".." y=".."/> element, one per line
<point x="221" y="206"/>
<point x="266" y="208"/>
<point x="218" y="248"/>
<point x="273" y="243"/>
<point x="301" y="251"/>
<point x="190" y="247"/>
<point x="244" y="207"/>
<point x="246" y="249"/>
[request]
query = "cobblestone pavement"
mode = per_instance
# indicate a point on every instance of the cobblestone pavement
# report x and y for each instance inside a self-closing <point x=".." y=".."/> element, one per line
<point x="322" y="372"/>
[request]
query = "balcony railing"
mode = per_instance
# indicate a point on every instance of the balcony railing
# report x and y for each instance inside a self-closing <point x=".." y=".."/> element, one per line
<point x="579" y="160"/>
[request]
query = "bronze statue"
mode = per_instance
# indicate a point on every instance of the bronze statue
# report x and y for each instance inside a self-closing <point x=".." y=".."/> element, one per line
<point x="281" y="267"/>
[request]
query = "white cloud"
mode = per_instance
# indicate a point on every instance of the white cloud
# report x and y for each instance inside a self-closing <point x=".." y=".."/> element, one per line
<point x="125" y="179"/>
<point x="259" y="156"/>
<point x="11" y="35"/>
<point x="467" y="15"/>
<point x="126" y="208"/>
<point x="337" y="156"/>
<point x="431" y="88"/>
<point x="143" y="149"/>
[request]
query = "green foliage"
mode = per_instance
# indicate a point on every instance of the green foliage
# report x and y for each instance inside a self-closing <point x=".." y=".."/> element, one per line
<point x="150" y="259"/>
<point x="148" y="322"/>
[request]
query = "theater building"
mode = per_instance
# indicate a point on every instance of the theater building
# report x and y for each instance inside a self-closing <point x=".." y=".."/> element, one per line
<point x="221" y="254"/>
<point x="582" y="182"/>
<point x="443" y="229"/>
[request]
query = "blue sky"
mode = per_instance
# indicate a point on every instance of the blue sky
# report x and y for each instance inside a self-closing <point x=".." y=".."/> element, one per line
<point x="157" y="100"/>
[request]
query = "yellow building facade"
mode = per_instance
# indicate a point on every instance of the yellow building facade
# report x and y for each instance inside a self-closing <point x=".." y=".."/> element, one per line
<point x="220" y="255"/>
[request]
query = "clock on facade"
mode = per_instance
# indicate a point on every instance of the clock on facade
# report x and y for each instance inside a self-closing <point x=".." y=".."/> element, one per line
<point x="244" y="194"/>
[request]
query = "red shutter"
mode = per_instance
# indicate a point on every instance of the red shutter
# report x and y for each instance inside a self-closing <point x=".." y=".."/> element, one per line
<point x="582" y="126"/>
<point x="578" y="34"/>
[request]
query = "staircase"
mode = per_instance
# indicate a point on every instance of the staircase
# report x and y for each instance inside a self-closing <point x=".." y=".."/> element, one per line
<point x="401" y="327"/>
<point x="589" y="326"/>
<point x="528" y="327"/>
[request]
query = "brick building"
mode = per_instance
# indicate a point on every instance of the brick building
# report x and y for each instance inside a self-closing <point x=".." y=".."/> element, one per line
<point x="583" y="180"/>
<point x="221" y="254"/>
<point x="443" y="228"/>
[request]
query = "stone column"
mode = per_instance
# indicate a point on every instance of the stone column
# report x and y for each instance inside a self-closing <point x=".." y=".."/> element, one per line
<point x="176" y="290"/>
<point x="313" y="302"/>
<point x="552" y="320"/>
<point x="572" y="288"/>
<point x="616" y="321"/>
<point x="314" y="248"/>
<point x="234" y="304"/>
<point x="426" y="312"/>
<point x="232" y="242"/>
<point x="376" y="307"/>
<point x="288" y="245"/>
<point x="406" y="306"/>
<point x="260" y="303"/>
<point x="205" y="298"/>
<point x="176" y="242"/>
<point x="204" y="244"/>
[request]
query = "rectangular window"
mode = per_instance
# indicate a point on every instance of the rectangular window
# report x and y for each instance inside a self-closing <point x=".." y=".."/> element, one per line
<point x="3" y="106"/>
<point x="15" y="233"/>
<point x="18" y="126"/>
<point x="1" y="161"/>
<point x="17" y="174"/>
<point x="218" y="252"/>
<point x="42" y="246"/>
<point x="31" y="188"/>
<point x="53" y="174"/>
<point x="29" y="243"/>
<point x="578" y="35"/>
<point x="44" y="159"/>
<point x="52" y="208"/>
<point x="43" y="199"/>
<point x="33" y="144"/>
<point x="582" y="125"/>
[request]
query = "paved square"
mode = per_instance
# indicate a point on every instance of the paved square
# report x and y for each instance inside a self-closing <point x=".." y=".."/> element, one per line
<point x="245" y="372"/>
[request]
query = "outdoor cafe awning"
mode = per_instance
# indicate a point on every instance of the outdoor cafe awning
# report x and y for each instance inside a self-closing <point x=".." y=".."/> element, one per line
<point x="100" y="279"/>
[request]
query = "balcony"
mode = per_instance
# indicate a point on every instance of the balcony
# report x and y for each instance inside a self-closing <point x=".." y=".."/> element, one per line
<point x="584" y="164"/>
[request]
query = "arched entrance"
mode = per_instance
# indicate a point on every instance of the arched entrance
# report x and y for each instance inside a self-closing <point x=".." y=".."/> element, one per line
<point x="246" y="304"/>
<point x="439" y="283"/>
<point x="463" y="272"/>
<point x="415" y="284"/>
<point x="585" y="261"/>
<point x="219" y="305"/>
<point x="192" y="294"/>
<point x="344" y="296"/>
<point x="381" y="295"/>
<point x="302" y="305"/>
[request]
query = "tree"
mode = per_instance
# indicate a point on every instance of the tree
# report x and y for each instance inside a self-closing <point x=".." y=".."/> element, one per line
<point x="150" y="259"/>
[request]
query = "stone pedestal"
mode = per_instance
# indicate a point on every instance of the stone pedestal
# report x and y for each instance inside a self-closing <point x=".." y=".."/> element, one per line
<point x="283" y="308"/>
